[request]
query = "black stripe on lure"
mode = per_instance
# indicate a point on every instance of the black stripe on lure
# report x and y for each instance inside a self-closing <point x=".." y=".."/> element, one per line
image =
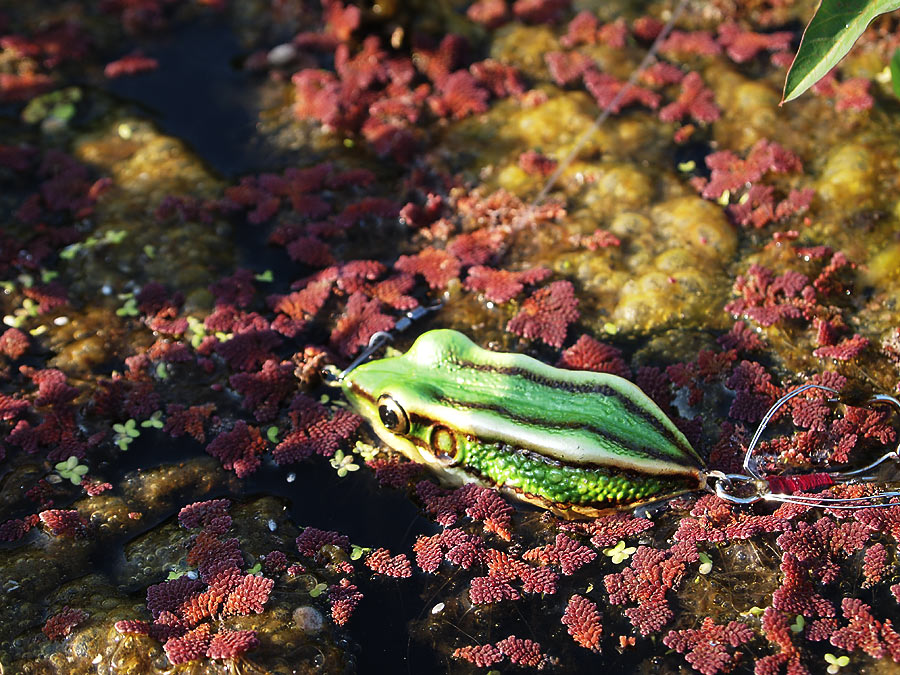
<point x="577" y="443"/>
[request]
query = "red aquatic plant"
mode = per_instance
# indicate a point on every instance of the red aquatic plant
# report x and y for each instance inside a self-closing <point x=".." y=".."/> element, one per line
<point x="249" y="596"/>
<point x="458" y="95"/>
<point x="582" y="620"/>
<point x="651" y="574"/>
<point x="662" y="73"/>
<point x="609" y="94"/>
<point x="52" y="46"/>
<point x="249" y="349"/>
<point x="361" y="319"/>
<point x="705" y="648"/>
<point x="61" y="624"/>
<point x="729" y="172"/>
<point x="275" y="562"/>
<point x="609" y="530"/>
<point x="599" y="238"/>
<point x="344" y="597"/>
<point x="875" y="565"/>
<point x="213" y="556"/>
<point x="849" y="94"/>
<point x="188" y="647"/>
<point x="436" y="266"/>
<point x="419" y="216"/>
<point x="489" y="13"/>
<point x="522" y="652"/>
<point x="53" y="390"/>
<point x="797" y="595"/>
<point x="695" y="101"/>
<point x="499" y="78"/>
<point x="393" y="472"/>
<point x="11" y="408"/>
<point x="16" y="528"/>
<point x="479" y="503"/>
<point x="266" y="389"/>
<point x="130" y="64"/>
<point x="590" y="354"/>
<point x="540" y="11"/>
<point x="846" y="350"/>
<point x="490" y="589"/>
<point x="768" y="300"/>
<point x="169" y="595"/>
<point x="565" y="552"/>
<point x="502" y="285"/>
<point x="204" y="514"/>
<point x="483" y="656"/>
<point x="314" y="431"/>
<point x="459" y="548"/>
<point x="340" y="20"/>
<point x="546" y="314"/>
<point x="64" y="523"/>
<point x="582" y="30"/>
<point x="478" y="247"/>
<point x="312" y="539"/>
<point x="715" y="520"/>
<point x="13" y="343"/>
<point x="698" y="42"/>
<point x="864" y="632"/>
<point x="741" y="338"/>
<point x="742" y="45"/>
<point x="567" y="67"/>
<point x="381" y="562"/>
<point x="536" y="164"/>
<point x="777" y="628"/>
<point x="239" y="450"/>
<point x="181" y="420"/>
<point x="230" y="644"/>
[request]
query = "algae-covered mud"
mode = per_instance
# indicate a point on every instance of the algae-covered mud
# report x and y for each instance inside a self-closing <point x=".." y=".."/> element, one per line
<point x="204" y="203"/>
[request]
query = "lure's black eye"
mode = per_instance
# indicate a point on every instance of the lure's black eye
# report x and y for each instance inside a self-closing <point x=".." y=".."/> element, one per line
<point x="392" y="415"/>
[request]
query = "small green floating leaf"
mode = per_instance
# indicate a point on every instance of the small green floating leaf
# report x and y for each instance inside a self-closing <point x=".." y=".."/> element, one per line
<point x="272" y="434"/>
<point x="154" y="421"/>
<point x="266" y="276"/>
<point x="128" y="309"/>
<point x="71" y="470"/>
<point x="619" y="553"/>
<point x="798" y="624"/>
<point x="317" y="590"/>
<point x="835" y="663"/>
<point x="829" y="36"/>
<point x="256" y="569"/>
<point x="895" y="73"/>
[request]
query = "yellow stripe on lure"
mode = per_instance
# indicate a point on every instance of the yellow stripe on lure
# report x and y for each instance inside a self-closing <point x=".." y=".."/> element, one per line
<point x="578" y="443"/>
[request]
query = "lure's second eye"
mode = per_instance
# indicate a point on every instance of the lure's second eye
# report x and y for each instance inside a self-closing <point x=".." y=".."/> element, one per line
<point x="393" y="417"/>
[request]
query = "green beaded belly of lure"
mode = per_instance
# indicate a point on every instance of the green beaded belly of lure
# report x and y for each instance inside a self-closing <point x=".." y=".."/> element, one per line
<point x="577" y="443"/>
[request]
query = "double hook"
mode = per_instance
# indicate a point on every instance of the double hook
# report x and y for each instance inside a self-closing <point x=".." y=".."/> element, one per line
<point x="753" y="486"/>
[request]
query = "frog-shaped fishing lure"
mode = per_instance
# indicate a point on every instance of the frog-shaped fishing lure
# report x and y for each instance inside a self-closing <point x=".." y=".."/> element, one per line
<point x="577" y="443"/>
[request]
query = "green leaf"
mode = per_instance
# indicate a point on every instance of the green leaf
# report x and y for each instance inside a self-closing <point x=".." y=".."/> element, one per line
<point x="829" y="36"/>
<point x="895" y="72"/>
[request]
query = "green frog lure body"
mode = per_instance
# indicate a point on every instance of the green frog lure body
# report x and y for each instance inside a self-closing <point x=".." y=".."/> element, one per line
<point x="577" y="443"/>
